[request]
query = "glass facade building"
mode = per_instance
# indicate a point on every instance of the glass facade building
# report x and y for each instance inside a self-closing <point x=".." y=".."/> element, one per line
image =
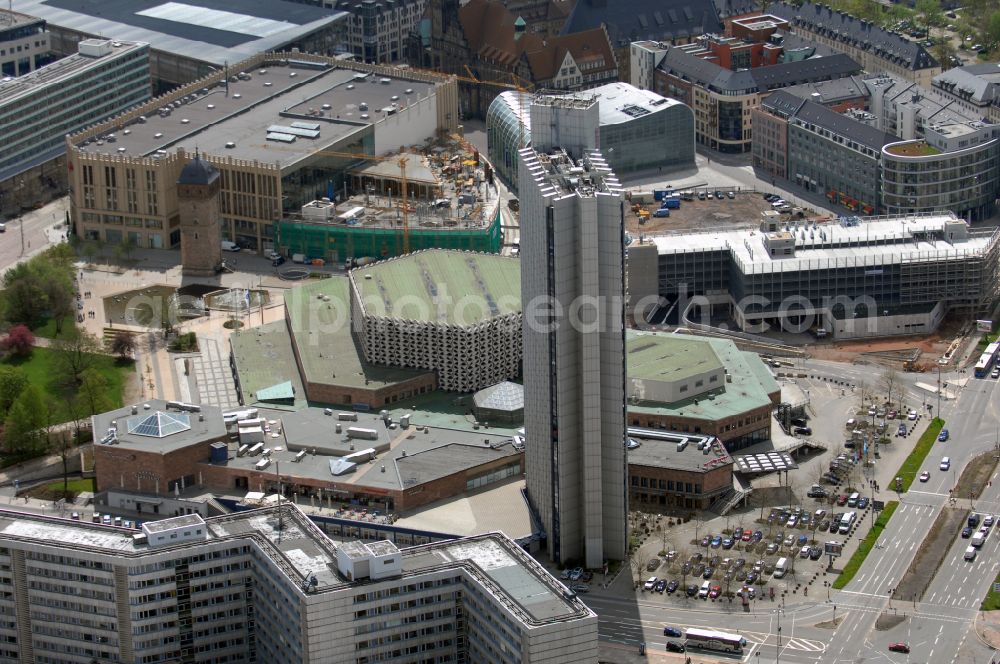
<point x="639" y="130"/>
<point x="917" y="176"/>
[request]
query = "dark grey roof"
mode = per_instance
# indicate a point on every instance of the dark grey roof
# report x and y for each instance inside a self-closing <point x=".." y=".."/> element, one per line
<point x="788" y="105"/>
<point x="634" y="20"/>
<point x="783" y="103"/>
<point x="830" y="92"/>
<point x="198" y="171"/>
<point x="727" y="8"/>
<point x="979" y="83"/>
<point x="762" y="79"/>
<point x="193" y="29"/>
<point x="867" y="36"/>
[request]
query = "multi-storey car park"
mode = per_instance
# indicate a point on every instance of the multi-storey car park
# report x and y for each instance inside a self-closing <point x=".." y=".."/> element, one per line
<point x="875" y="276"/>
<point x="268" y="586"/>
<point x="282" y="129"/>
<point x="456" y="313"/>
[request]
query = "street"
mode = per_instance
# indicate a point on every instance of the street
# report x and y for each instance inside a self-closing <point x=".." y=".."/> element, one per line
<point x="38" y="228"/>
<point x="938" y="628"/>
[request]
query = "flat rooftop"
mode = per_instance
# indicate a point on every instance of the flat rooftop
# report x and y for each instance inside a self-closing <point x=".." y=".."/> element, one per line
<point x="510" y="573"/>
<point x="204" y="30"/>
<point x="621" y="102"/>
<point x="301" y="550"/>
<point x="404" y="458"/>
<point x="749" y="388"/>
<point x="158" y="429"/>
<point x="659" y="449"/>
<point x="318" y="316"/>
<point x="274" y="97"/>
<point x="436" y="285"/>
<point x="264" y="358"/>
<point x="60" y="71"/>
<point x="668" y="357"/>
<point x="875" y="240"/>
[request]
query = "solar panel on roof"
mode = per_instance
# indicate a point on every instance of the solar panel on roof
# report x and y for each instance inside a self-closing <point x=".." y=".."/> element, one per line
<point x="658" y="17"/>
<point x="673" y="15"/>
<point x="642" y="20"/>
<point x="280" y="138"/>
<point x="687" y="13"/>
<point x="305" y="125"/>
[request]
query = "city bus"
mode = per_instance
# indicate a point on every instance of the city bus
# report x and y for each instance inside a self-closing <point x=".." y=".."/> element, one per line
<point x="708" y="639"/>
<point x="986" y="360"/>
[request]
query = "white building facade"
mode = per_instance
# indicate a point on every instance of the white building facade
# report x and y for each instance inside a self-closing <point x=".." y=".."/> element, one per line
<point x="268" y="586"/>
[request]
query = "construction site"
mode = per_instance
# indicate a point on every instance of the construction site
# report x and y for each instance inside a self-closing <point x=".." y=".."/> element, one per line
<point x="439" y="196"/>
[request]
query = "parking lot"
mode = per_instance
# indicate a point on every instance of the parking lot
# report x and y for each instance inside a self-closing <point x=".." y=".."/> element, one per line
<point x="735" y="209"/>
<point x="765" y="559"/>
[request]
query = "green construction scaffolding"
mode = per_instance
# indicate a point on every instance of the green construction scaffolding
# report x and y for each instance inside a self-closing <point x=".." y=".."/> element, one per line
<point x="337" y="242"/>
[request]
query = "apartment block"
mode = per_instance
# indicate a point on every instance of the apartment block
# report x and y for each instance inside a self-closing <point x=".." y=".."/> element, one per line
<point x="38" y="110"/>
<point x="268" y="586"/>
<point x="24" y="44"/>
<point x="377" y="30"/>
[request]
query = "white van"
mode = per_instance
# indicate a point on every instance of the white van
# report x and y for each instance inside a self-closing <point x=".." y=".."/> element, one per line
<point x="970" y="553"/>
<point x="852" y="501"/>
<point x="780" y="568"/>
<point x="230" y="246"/>
<point x="705" y="587"/>
<point x="846" y="522"/>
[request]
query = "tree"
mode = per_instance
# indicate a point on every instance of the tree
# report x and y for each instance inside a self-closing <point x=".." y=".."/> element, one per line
<point x="993" y="29"/>
<point x="19" y="341"/>
<point x="93" y="392"/>
<point x="26" y="421"/>
<point x="638" y="560"/>
<point x="931" y="12"/>
<point x="74" y="355"/>
<point x="943" y="52"/>
<point x="122" y="345"/>
<point x="890" y="378"/>
<point x="12" y="382"/>
<point x="89" y="250"/>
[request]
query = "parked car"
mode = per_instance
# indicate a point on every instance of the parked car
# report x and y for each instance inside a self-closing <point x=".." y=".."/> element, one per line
<point x="772" y="548"/>
<point x="802" y="431"/>
<point x="716" y="542"/>
<point x="707" y="574"/>
<point x="714" y="592"/>
<point x="653" y="565"/>
<point x="692" y="590"/>
<point x="747" y="536"/>
<point x="580" y="588"/>
<point x="660" y="586"/>
<point x="804" y="552"/>
<point x="816" y="491"/>
<point x="672" y="586"/>
<point x="731" y="194"/>
<point x="815" y="553"/>
<point x="650" y="583"/>
<point x="841" y="500"/>
<point x="575" y="574"/>
<point x="706" y="540"/>
<point x="727" y="543"/>
<point x="912" y="415"/>
<point x="673" y="646"/>
<point x="863" y="502"/>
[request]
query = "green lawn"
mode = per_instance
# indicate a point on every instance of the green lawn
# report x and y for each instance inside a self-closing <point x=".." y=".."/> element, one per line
<point x="48" y="328"/>
<point x="75" y="486"/>
<point x="40" y="370"/>
<point x="854" y="564"/>
<point x="992" y="601"/>
<point x="911" y="466"/>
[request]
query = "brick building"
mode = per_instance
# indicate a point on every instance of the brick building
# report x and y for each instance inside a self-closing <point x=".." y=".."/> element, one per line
<point x="670" y="470"/>
<point x="390" y="464"/>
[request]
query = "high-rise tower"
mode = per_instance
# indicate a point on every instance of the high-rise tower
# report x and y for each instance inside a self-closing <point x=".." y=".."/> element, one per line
<point x="572" y="288"/>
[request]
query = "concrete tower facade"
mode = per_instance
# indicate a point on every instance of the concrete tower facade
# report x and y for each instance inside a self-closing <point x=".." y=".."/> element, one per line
<point x="572" y="283"/>
<point x="201" y="224"/>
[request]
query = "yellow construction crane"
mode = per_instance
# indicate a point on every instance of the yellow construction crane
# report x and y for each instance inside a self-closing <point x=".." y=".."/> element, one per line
<point x="404" y="194"/>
